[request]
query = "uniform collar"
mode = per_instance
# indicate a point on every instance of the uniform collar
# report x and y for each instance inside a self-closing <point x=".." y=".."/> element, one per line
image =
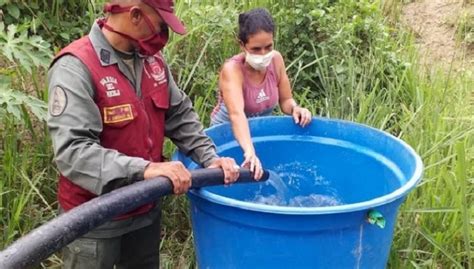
<point x="103" y="49"/>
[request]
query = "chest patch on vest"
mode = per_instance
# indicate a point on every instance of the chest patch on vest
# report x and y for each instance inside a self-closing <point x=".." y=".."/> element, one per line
<point x="157" y="71"/>
<point x="119" y="113"/>
<point x="110" y="84"/>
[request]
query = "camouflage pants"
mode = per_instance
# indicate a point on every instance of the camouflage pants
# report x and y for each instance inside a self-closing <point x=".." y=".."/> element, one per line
<point x="137" y="249"/>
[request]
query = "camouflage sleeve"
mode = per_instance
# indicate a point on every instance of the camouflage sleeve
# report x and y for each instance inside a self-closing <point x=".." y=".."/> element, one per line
<point x="184" y="128"/>
<point x="75" y="123"/>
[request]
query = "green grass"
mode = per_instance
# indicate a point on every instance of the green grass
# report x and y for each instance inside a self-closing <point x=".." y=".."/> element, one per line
<point x="435" y="223"/>
<point x="465" y="26"/>
<point x="378" y="83"/>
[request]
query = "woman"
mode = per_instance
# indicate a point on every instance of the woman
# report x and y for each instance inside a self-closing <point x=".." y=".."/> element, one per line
<point x="253" y="82"/>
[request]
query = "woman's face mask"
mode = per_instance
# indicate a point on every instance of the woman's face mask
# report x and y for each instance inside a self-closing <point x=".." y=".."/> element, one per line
<point x="258" y="62"/>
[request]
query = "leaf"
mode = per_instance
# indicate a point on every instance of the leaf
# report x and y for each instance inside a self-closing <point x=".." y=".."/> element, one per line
<point x="4" y="82"/>
<point x="13" y="10"/>
<point x="37" y="107"/>
<point x="64" y="35"/>
<point x="26" y="51"/>
<point x="11" y="102"/>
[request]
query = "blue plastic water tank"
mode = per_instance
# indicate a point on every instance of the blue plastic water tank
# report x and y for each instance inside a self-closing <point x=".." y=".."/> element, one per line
<point x="359" y="168"/>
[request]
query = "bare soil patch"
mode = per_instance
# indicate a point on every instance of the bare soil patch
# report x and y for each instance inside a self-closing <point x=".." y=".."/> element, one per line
<point x="434" y="23"/>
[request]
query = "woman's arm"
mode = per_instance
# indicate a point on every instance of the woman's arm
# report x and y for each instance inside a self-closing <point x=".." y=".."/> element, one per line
<point x="288" y="105"/>
<point x="231" y="83"/>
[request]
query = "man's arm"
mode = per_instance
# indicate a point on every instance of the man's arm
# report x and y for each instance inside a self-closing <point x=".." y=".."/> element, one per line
<point x="75" y="123"/>
<point x="184" y="128"/>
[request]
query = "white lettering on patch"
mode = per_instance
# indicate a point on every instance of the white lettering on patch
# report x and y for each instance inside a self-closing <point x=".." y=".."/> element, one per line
<point x="110" y="84"/>
<point x="113" y="93"/>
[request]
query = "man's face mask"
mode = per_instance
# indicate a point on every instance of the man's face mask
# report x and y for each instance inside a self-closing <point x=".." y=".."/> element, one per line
<point x="148" y="46"/>
<point x="258" y="62"/>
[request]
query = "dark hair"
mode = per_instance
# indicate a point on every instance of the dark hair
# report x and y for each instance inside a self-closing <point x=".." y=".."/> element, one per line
<point x="254" y="21"/>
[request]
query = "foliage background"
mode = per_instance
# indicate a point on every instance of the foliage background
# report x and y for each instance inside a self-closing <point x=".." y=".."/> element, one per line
<point x="346" y="59"/>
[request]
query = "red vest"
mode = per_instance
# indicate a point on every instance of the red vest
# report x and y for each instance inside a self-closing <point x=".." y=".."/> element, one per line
<point x="132" y="125"/>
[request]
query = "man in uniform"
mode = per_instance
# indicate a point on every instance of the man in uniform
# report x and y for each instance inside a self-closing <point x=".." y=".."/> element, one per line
<point x="112" y="102"/>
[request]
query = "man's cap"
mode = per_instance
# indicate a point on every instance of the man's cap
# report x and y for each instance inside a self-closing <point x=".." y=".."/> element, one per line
<point x="165" y="9"/>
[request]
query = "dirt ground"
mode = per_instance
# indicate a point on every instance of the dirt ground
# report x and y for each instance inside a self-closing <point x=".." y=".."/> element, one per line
<point x="434" y="23"/>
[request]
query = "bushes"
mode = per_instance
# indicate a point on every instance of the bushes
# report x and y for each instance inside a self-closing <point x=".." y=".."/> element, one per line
<point x="351" y="35"/>
<point x="58" y="21"/>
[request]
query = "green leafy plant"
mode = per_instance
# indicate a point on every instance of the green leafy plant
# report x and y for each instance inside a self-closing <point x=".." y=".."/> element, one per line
<point x="15" y="103"/>
<point x="27" y="51"/>
<point x="57" y="21"/>
<point x="24" y="53"/>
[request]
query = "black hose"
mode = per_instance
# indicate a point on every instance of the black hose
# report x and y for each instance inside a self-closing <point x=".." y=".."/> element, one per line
<point x="43" y="241"/>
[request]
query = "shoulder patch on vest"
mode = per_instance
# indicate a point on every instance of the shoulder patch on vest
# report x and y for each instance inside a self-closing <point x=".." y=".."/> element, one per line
<point x="58" y="102"/>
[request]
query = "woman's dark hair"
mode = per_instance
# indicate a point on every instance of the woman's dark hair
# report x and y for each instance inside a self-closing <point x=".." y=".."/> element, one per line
<point x="254" y="21"/>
